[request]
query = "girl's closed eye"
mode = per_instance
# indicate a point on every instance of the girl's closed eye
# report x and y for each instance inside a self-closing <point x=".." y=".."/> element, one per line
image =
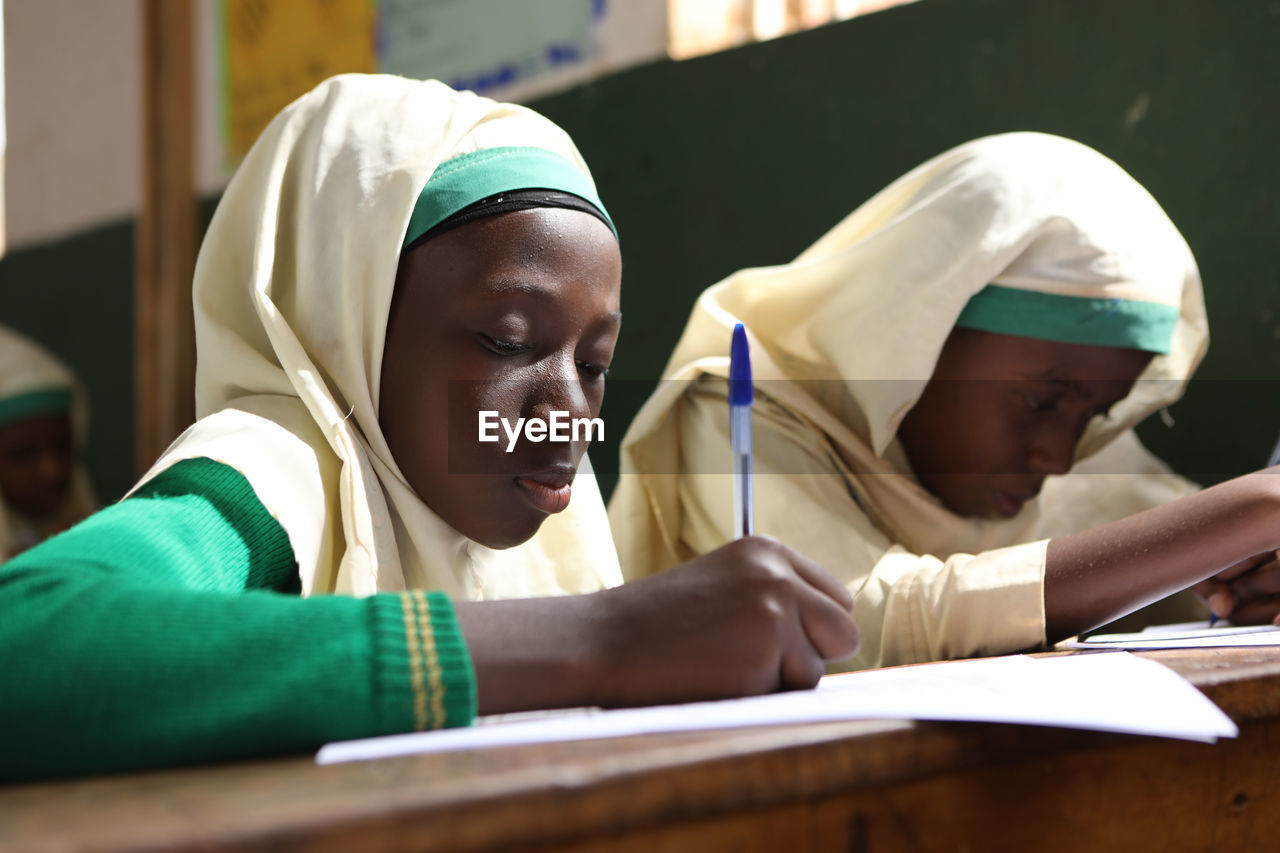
<point x="501" y="346"/>
<point x="1042" y="402"/>
<point x="594" y="371"/>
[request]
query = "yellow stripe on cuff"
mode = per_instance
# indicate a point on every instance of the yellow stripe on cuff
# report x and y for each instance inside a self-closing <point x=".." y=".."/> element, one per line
<point x="413" y="643"/>
<point x="434" y="673"/>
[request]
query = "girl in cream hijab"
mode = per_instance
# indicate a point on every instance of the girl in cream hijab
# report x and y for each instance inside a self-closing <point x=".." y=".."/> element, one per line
<point x="332" y="551"/>
<point x="291" y="319"/>
<point x="948" y="384"/>
<point x="43" y="485"/>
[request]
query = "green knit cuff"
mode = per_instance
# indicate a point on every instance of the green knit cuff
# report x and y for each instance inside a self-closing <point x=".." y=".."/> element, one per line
<point x="455" y="662"/>
<point x="1071" y="319"/>
<point x="424" y="675"/>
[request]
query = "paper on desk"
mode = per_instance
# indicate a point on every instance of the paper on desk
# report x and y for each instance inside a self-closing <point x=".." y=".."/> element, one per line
<point x="1114" y="692"/>
<point x="1184" y="635"/>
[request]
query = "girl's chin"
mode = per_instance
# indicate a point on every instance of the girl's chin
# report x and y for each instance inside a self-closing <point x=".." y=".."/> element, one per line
<point x="501" y="512"/>
<point x="508" y="527"/>
<point x="502" y="540"/>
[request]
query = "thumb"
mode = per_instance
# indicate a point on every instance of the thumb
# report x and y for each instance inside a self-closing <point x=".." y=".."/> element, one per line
<point x="1221" y="603"/>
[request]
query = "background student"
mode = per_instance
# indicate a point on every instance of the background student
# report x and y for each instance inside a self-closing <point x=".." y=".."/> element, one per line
<point x="43" y="420"/>
<point x="320" y="556"/>
<point x="948" y="382"/>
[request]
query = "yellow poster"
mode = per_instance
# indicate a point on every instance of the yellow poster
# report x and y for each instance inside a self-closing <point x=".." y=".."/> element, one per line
<point x="276" y="50"/>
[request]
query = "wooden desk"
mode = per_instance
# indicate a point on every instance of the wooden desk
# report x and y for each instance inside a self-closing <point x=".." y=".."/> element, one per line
<point x="859" y="786"/>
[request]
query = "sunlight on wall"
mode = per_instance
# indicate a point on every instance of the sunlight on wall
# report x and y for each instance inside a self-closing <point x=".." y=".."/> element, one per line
<point x="696" y="27"/>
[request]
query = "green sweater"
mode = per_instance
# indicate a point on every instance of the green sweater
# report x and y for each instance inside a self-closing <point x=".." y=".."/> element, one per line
<point x="168" y="630"/>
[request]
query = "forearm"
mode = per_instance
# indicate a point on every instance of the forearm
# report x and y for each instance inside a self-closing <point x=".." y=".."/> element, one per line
<point x="532" y="653"/>
<point x="1097" y="575"/>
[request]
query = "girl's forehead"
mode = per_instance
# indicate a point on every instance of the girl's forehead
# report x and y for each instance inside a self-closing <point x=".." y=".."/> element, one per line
<point x="530" y="256"/>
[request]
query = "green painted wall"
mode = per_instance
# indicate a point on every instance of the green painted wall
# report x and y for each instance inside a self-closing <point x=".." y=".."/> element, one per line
<point x="744" y="157"/>
<point x="76" y="297"/>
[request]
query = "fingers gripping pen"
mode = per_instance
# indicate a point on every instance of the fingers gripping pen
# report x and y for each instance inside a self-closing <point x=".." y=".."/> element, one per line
<point x="741" y="395"/>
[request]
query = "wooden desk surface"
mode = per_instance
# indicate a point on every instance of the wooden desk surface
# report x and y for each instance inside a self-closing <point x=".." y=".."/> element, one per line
<point x="861" y="786"/>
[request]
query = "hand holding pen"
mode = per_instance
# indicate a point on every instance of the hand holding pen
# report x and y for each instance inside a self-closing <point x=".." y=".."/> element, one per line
<point x="1251" y="583"/>
<point x="752" y="616"/>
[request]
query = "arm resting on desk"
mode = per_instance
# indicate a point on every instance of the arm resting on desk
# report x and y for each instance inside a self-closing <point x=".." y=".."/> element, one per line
<point x="166" y="630"/>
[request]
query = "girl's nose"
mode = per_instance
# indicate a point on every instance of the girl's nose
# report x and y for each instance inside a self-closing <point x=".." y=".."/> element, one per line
<point x="53" y="466"/>
<point x="1053" y="451"/>
<point x="561" y="390"/>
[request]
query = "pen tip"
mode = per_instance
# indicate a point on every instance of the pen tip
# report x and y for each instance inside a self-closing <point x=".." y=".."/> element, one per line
<point x="741" y="392"/>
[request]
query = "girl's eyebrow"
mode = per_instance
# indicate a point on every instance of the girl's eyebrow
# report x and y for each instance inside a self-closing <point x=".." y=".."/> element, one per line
<point x="509" y="286"/>
<point x="1051" y="377"/>
<point x="1076" y="389"/>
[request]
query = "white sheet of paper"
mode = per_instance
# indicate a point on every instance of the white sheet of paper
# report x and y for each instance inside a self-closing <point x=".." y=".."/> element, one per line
<point x="1184" y="635"/>
<point x="1114" y="692"/>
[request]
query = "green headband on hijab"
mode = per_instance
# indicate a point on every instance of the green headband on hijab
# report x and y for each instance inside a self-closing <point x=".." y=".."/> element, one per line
<point x="34" y="404"/>
<point x="1071" y="319"/>
<point x="462" y="181"/>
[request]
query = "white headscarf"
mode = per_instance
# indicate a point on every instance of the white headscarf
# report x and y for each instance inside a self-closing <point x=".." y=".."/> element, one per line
<point x="292" y="291"/>
<point x="31" y="376"/>
<point x="875" y="299"/>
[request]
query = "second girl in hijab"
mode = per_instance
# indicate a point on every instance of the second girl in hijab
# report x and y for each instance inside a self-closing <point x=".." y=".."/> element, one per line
<point x="948" y="384"/>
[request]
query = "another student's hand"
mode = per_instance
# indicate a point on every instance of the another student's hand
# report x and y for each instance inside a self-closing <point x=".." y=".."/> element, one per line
<point x="1248" y="592"/>
<point x="751" y="617"/>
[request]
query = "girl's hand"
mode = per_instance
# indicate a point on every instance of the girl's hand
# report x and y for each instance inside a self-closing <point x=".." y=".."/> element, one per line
<point x="1247" y="592"/>
<point x="751" y="617"/>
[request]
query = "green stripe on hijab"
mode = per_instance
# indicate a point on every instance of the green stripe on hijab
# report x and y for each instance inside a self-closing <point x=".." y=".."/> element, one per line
<point x="31" y="404"/>
<point x="464" y="180"/>
<point x="1071" y="319"/>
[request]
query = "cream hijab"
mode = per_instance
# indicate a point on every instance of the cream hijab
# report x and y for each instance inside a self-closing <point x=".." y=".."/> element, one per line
<point x="293" y="286"/>
<point x="875" y="299"/>
<point x="34" y="382"/>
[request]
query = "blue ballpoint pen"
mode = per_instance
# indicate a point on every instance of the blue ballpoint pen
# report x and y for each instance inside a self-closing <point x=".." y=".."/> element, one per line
<point x="741" y="395"/>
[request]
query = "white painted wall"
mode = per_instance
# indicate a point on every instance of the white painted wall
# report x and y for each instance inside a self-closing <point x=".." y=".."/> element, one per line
<point x="71" y="72"/>
<point x="2" y="140"/>
<point x="74" y="112"/>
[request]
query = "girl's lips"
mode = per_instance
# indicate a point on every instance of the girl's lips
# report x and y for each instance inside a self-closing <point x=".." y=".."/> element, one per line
<point x="1006" y="506"/>
<point x="547" y="497"/>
